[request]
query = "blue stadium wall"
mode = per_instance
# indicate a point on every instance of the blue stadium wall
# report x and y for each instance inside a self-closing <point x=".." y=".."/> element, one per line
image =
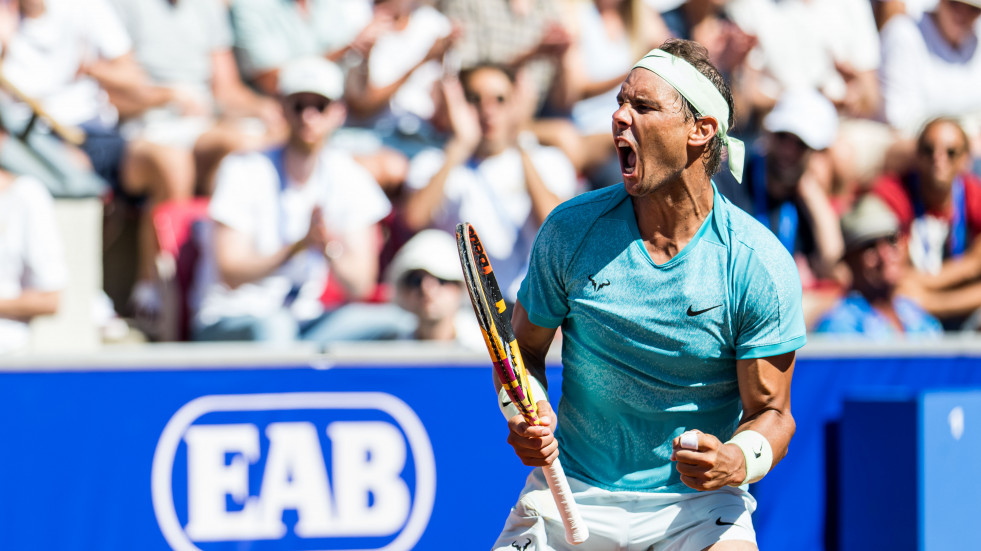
<point x="397" y="448"/>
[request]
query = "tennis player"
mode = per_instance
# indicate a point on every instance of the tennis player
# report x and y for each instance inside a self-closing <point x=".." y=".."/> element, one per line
<point x="680" y="319"/>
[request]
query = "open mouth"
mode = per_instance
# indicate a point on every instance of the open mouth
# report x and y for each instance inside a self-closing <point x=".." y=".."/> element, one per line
<point x="628" y="157"/>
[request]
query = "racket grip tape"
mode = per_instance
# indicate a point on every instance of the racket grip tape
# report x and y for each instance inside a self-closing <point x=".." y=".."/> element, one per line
<point x="575" y="528"/>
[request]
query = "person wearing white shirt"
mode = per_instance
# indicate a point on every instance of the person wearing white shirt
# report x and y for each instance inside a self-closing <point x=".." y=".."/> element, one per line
<point x="285" y="219"/>
<point x="32" y="263"/>
<point x="484" y="177"/>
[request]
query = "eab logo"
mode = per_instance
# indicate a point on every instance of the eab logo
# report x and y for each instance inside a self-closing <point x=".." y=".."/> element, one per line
<point x="321" y="470"/>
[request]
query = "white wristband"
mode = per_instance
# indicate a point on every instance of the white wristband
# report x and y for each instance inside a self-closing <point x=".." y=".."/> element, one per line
<point x="757" y="451"/>
<point x="509" y="409"/>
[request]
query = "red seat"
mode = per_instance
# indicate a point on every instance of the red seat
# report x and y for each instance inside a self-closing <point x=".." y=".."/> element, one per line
<point x="177" y="255"/>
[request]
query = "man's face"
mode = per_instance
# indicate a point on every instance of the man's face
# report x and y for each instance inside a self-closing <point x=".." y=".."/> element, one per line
<point x="955" y="20"/>
<point x="430" y="298"/>
<point x="879" y="265"/>
<point x="650" y="132"/>
<point x="786" y="161"/>
<point x="491" y="93"/>
<point x="311" y="118"/>
<point x="941" y="154"/>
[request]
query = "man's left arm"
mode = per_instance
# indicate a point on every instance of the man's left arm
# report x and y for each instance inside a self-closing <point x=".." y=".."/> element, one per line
<point x="762" y="437"/>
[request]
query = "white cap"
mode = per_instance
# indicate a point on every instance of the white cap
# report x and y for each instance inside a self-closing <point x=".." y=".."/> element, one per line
<point x="868" y="220"/>
<point x="807" y="114"/>
<point x="314" y="75"/>
<point x="434" y="251"/>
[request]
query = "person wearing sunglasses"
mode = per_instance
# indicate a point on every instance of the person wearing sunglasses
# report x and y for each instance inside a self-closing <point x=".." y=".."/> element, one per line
<point x="873" y="307"/>
<point x="427" y="282"/>
<point x="287" y="219"/>
<point x="938" y="204"/>
<point x="485" y="175"/>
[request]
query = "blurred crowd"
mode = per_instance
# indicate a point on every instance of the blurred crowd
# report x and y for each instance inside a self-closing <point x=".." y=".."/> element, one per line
<point x="294" y="169"/>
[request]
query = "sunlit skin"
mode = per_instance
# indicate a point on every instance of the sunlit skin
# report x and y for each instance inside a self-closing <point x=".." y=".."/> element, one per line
<point x="491" y="92"/>
<point x="936" y="165"/>
<point x="662" y="162"/>
<point x="650" y="133"/>
<point x="312" y="118"/>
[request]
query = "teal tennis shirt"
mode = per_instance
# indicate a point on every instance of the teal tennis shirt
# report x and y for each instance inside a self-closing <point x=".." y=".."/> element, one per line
<point x="649" y="351"/>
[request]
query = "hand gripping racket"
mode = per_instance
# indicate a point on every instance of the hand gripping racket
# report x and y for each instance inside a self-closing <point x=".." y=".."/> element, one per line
<point x="488" y="305"/>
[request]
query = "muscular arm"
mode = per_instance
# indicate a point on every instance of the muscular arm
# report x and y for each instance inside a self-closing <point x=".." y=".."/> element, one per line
<point x="764" y="388"/>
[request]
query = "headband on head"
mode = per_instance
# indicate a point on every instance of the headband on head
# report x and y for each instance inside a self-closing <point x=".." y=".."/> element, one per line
<point x="701" y="94"/>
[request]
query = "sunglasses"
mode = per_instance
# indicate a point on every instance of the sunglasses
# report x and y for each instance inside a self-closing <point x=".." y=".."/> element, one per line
<point x="301" y="105"/>
<point x="414" y="279"/>
<point x="477" y="99"/>
<point x="928" y="150"/>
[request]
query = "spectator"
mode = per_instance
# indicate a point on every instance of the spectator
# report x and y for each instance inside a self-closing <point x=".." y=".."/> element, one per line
<point x="485" y="177"/>
<point x="428" y="283"/>
<point x="786" y="182"/>
<point x="48" y="48"/>
<point x="286" y="219"/>
<point x="931" y="67"/>
<point x="527" y="36"/>
<point x="189" y="112"/>
<point x="32" y="265"/>
<point x="938" y="204"/>
<point x="271" y="33"/>
<point x="607" y="37"/>
<point x="873" y="253"/>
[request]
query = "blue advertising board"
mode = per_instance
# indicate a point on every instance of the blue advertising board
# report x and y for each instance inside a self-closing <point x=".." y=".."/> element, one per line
<point x="305" y="454"/>
<point x="297" y="458"/>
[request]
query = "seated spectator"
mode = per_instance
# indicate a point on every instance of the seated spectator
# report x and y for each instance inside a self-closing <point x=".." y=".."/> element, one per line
<point x="786" y="182"/>
<point x="486" y="177"/>
<point x="428" y="283"/>
<point x="48" y="47"/>
<point x="189" y="111"/>
<point x="286" y="219"/>
<point x="938" y="204"/>
<point x="271" y="33"/>
<point x="391" y="92"/>
<point x="32" y="264"/>
<point x="931" y="67"/>
<point x="873" y="307"/>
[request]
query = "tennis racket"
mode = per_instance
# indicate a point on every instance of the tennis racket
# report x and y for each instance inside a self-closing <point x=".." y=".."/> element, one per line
<point x="489" y="307"/>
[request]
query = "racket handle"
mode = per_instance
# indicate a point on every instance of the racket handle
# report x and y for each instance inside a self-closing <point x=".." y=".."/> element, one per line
<point x="575" y="529"/>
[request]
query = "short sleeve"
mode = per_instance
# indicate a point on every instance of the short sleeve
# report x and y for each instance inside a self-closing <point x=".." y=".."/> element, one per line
<point x="770" y="315"/>
<point x="543" y="292"/>
<point x="219" y="24"/>
<point x="556" y="171"/>
<point x="360" y="200"/>
<point x="105" y="30"/>
<point x="255" y="39"/>
<point x="240" y="182"/>
<point x="44" y="264"/>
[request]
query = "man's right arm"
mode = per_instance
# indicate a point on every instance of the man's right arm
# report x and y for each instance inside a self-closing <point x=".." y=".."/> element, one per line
<point x="536" y="445"/>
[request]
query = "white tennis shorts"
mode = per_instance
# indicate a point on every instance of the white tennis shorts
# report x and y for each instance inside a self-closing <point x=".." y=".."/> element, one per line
<point x="628" y="521"/>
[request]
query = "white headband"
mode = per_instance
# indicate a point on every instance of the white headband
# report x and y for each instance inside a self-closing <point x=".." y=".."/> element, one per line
<point x="703" y="96"/>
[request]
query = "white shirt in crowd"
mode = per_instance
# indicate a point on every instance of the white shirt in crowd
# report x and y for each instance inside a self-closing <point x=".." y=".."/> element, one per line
<point x="31" y="253"/>
<point x="924" y="77"/>
<point x="249" y="198"/>
<point x="45" y="54"/>
<point x="492" y="196"/>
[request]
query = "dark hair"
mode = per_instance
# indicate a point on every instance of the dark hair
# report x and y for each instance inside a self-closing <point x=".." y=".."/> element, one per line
<point x="465" y="74"/>
<point x="698" y="57"/>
